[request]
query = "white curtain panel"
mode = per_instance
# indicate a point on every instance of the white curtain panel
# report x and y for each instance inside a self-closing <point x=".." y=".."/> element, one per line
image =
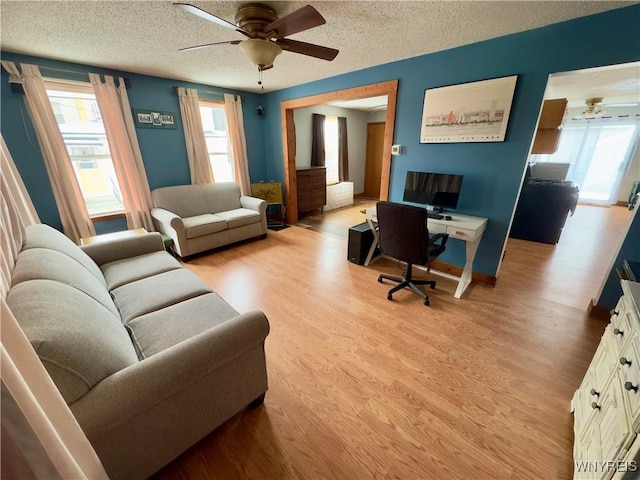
<point x="66" y="191"/>
<point x="197" y="153"/>
<point x="115" y="110"/>
<point x="40" y="436"/>
<point x="16" y="187"/>
<point x="237" y="142"/>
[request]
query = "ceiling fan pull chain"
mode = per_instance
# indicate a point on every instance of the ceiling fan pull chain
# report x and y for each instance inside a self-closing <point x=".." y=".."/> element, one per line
<point x="260" y="78"/>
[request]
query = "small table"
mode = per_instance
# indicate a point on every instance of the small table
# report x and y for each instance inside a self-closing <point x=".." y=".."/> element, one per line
<point x="107" y="237"/>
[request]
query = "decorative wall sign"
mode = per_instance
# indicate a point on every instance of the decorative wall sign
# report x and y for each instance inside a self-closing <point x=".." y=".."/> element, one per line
<point x="149" y="119"/>
<point x="469" y="112"/>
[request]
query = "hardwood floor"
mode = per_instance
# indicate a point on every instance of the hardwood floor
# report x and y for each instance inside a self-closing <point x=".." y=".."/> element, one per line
<point x="361" y="387"/>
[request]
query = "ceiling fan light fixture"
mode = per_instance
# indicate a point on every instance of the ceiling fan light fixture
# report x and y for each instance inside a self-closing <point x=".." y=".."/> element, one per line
<point x="260" y="52"/>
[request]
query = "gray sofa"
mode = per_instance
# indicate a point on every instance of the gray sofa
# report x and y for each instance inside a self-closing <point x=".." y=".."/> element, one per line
<point x="202" y="217"/>
<point x="148" y="358"/>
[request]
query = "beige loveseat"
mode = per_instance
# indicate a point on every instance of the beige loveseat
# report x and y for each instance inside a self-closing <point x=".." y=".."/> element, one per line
<point x="202" y="217"/>
<point x="148" y="358"/>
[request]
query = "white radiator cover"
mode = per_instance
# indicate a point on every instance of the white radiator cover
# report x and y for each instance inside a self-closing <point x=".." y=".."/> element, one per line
<point x="339" y="195"/>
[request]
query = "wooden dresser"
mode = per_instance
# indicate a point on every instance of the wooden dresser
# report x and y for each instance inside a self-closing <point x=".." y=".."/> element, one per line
<point x="312" y="188"/>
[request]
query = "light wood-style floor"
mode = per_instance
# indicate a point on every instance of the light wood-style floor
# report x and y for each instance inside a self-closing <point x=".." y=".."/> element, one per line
<point x="361" y="387"/>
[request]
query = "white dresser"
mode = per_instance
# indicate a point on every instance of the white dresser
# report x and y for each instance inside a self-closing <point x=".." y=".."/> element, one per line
<point x="607" y="405"/>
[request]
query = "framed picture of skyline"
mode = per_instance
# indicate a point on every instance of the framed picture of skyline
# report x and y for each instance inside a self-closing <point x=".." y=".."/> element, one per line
<point x="468" y="112"/>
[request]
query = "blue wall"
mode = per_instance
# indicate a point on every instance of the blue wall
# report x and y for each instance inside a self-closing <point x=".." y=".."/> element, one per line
<point x="163" y="151"/>
<point x="492" y="171"/>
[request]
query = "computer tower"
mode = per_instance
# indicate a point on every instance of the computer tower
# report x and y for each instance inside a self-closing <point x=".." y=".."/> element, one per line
<point x="360" y="241"/>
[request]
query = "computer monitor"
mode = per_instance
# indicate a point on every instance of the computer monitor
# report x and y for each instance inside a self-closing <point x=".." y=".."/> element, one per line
<point x="550" y="170"/>
<point x="440" y="190"/>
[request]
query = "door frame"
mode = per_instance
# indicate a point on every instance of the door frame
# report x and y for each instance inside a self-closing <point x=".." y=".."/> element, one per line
<point x="389" y="88"/>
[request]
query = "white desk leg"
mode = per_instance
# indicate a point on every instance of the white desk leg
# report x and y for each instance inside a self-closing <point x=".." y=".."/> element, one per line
<point x="465" y="279"/>
<point x="372" y="250"/>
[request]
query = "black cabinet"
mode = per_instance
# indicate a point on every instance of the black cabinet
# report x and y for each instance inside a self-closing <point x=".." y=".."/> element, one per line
<point x="542" y="210"/>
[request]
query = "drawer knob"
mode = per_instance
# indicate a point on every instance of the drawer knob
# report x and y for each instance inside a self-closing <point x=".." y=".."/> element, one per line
<point x="625" y="361"/>
<point x="594" y="392"/>
<point x="628" y="386"/>
<point x="613" y="312"/>
<point x="617" y="331"/>
<point x="595" y="406"/>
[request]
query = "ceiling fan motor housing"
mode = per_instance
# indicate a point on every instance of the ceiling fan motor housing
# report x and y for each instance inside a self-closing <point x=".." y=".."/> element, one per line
<point x="254" y="17"/>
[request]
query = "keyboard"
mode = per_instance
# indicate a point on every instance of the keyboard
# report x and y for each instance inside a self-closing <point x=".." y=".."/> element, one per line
<point x="436" y="216"/>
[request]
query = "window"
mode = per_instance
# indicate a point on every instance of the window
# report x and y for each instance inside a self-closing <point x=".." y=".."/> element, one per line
<point x="76" y="110"/>
<point x="214" y="123"/>
<point x="331" y="149"/>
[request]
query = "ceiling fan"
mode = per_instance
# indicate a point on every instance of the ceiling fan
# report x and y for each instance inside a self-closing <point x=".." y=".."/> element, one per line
<point x="266" y="32"/>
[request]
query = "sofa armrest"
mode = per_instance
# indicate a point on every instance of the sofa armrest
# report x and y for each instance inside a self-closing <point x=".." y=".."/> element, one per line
<point x="155" y="380"/>
<point x="172" y="225"/>
<point x="253" y="203"/>
<point x="110" y="251"/>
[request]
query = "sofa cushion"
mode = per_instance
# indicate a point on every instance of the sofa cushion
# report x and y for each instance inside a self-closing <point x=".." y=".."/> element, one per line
<point x="221" y="196"/>
<point x="42" y="263"/>
<point x="77" y="339"/>
<point x="159" y="330"/>
<point x="240" y="217"/>
<point x="131" y="269"/>
<point x="156" y="292"/>
<point x="183" y="200"/>
<point x="201" y="225"/>
<point x="44" y="236"/>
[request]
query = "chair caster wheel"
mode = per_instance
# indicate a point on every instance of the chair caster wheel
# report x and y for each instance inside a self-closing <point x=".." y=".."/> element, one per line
<point x="380" y="279"/>
<point x="426" y="302"/>
<point x="389" y="297"/>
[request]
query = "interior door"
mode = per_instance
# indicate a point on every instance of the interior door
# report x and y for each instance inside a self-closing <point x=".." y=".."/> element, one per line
<point x="373" y="161"/>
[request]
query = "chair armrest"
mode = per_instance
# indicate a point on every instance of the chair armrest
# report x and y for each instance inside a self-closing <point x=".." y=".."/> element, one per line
<point x="112" y="250"/>
<point x="127" y="395"/>
<point x="253" y="203"/>
<point x="439" y="236"/>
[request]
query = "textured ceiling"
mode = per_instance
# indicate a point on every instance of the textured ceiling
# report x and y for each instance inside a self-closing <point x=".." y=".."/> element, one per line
<point x="144" y="36"/>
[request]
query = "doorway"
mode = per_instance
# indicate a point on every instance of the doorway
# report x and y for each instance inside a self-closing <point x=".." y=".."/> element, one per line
<point x="373" y="159"/>
<point x="600" y="148"/>
<point x="389" y="89"/>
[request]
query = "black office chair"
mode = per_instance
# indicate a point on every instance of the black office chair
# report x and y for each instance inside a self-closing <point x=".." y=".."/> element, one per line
<point x="404" y="236"/>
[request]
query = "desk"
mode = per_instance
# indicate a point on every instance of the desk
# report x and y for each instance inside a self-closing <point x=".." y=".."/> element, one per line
<point x="462" y="227"/>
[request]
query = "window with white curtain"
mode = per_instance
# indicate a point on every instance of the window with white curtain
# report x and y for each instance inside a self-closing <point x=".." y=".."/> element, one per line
<point x="599" y="151"/>
<point x="331" y="149"/>
<point x="76" y="110"/>
<point x="214" y="124"/>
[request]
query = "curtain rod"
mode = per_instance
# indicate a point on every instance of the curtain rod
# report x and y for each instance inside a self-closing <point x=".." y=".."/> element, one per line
<point x="214" y="92"/>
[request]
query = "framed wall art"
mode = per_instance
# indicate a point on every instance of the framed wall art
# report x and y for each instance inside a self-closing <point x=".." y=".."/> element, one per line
<point x="151" y="119"/>
<point x="468" y="112"/>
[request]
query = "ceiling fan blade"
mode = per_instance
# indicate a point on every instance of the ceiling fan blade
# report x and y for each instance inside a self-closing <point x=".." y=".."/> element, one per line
<point x="197" y="47"/>
<point x="302" y="19"/>
<point x="187" y="7"/>
<point x="324" y="53"/>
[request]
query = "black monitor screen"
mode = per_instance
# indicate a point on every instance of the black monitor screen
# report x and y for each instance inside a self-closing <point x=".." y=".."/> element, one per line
<point x="440" y="190"/>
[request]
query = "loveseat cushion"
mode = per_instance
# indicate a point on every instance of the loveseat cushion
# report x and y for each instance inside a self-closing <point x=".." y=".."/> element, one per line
<point x="78" y="340"/>
<point x="159" y="330"/>
<point x="221" y="196"/>
<point x="240" y="217"/>
<point x="131" y="269"/>
<point x="42" y="263"/>
<point x="156" y="292"/>
<point x="183" y="200"/>
<point x="201" y="225"/>
<point x="44" y="236"/>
